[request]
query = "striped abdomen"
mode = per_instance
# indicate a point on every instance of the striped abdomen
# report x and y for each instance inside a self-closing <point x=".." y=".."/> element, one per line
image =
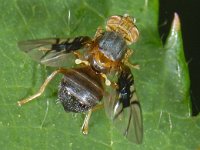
<point x="80" y="89"/>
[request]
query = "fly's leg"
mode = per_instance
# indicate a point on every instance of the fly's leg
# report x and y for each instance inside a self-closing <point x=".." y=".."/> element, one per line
<point x="107" y="81"/>
<point x="42" y="88"/>
<point x="98" y="32"/>
<point x="126" y="61"/>
<point x="99" y="106"/>
<point x="85" y="125"/>
<point x="80" y="59"/>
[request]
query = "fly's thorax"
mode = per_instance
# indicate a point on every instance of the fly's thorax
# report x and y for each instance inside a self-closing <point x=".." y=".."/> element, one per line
<point x="112" y="45"/>
<point x="107" y="52"/>
<point x="80" y="89"/>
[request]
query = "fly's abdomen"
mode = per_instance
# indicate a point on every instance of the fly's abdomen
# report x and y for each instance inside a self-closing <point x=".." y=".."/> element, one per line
<point x="80" y="89"/>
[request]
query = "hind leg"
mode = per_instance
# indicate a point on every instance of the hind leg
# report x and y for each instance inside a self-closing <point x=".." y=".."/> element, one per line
<point x="42" y="88"/>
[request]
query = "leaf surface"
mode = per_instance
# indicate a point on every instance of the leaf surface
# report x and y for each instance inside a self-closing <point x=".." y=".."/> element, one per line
<point x="162" y="81"/>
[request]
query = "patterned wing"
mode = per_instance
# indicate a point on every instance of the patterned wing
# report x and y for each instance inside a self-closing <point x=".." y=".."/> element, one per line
<point x="54" y="52"/>
<point x="123" y="107"/>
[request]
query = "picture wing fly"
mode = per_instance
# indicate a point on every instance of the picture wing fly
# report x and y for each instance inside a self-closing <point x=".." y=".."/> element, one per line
<point x="124" y="109"/>
<point x="54" y="52"/>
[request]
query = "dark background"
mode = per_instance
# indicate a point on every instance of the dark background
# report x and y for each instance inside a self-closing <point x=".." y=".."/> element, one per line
<point x="189" y="13"/>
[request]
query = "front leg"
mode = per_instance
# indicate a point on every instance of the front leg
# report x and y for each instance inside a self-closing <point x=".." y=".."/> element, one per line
<point x="98" y="32"/>
<point x="43" y="87"/>
<point x="126" y="61"/>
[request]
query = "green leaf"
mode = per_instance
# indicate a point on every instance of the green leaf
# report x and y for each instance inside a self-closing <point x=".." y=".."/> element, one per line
<point x="162" y="81"/>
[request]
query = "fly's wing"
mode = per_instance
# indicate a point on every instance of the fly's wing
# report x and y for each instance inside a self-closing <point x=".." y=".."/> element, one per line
<point x="54" y="52"/>
<point x="123" y="107"/>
